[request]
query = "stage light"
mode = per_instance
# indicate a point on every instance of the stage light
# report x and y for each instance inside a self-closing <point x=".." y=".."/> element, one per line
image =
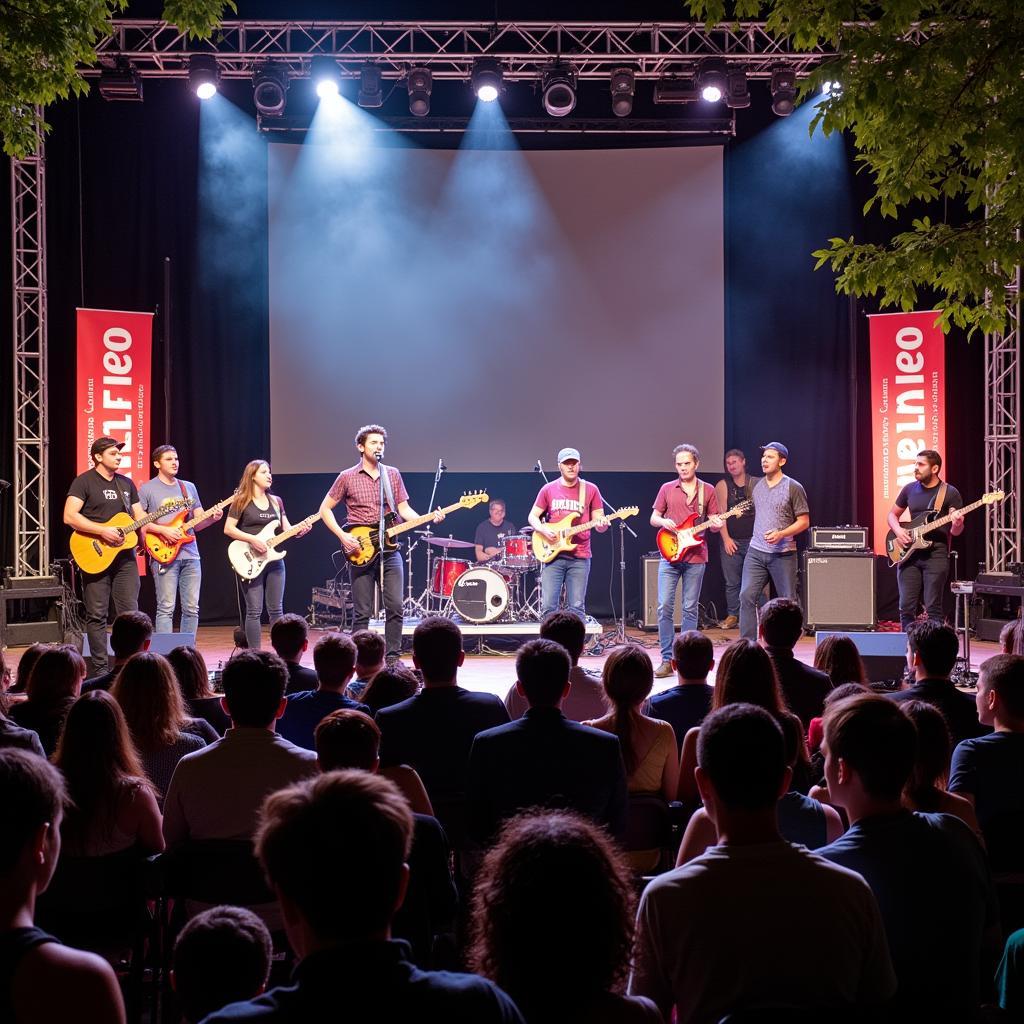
<point x="623" y="86"/>
<point x="737" y="92"/>
<point x="371" y="92"/>
<point x="783" y="91"/>
<point x="559" y="86"/>
<point x="203" y="75"/>
<point x="420" y="83"/>
<point x="671" y="89"/>
<point x="831" y="87"/>
<point x="326" y="78"/>
<point x="270" y="89"/>
<point x="486" y="79"/>
<point x="121" y="82"/>
<point x="711" y="79"/>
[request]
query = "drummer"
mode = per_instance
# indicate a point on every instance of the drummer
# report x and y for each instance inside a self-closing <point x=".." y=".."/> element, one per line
<point x="491" y="533"/>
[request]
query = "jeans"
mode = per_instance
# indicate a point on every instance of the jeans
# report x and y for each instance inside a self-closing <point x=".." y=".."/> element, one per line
<point x="670" y="575"/>
<point x="758" y="568"/>
<point x="268" y="585"/>
<point x="183" y="576"/>
<point x="732" y="570"/>
<point x="571" y="572"/>
<point x="120" y="582"/>
<point x="364" y="580"/>
<point x="924" y="574"/>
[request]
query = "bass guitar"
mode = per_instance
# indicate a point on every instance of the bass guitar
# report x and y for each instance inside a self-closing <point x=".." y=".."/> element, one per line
<point x="166" y="551"/>
<point x="547" y="550"/>
<point x="923" y="524"/>
<point x="688" y="534"/>
<point x="248" y="563"/>
<point x="93" y="555"/>
<point x="369" y="536"/>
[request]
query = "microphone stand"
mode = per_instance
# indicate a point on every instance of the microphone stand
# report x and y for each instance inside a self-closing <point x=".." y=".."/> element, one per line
<point x="532" y="604"/>
<point x="381" y="534"/>
<point x="619" y="637"/>
<point x="411" y="605"/>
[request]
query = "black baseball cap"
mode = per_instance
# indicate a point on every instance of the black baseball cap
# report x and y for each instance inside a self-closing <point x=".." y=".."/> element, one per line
<point x="101" y="444"/>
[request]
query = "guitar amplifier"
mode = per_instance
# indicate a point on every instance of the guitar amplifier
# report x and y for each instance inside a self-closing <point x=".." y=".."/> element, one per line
<point x="839" y="538"/>
<point x="649" y="604"/>
<point x="839" y="590"/>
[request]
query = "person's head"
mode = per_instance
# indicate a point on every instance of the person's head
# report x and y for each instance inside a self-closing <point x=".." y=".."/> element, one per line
<point x="289" y="636"/>
<point x="869" y="747"/>
<point x="369" y="652"/>
<point x="25" y="664"/>
<point x="569" y="465"/>
<point x="256" y="474"/>
<point x="496" y="511"/>
<point x="774" y="456"/>
<point x="56" y="676"/>
<point x="390" y="686"/>
<point x="437" y="650"/>
<point x="189" y="668"/>
<point x="1009" y="637"/>
<point x="693" y="655"/>
<point x="735" y="462"/>
<point x="347" y="817"/>
<point x="371" y="440"/>
<point x="932" y="649"/>
<point x="221" y="956"/>
<point x="780" y="623"/>
<point x="931" y="763"/>
<point x="628" y="677"/>
<point x="150" y="698"/>
<point x="106" y="452"/>
<point x="254" y="685"/>
<point x="837" y="656"/>
<point x="164" y="459"/>
<point x="1000" y="698"/>
<point x="347" y="739"/>
<point x="844" y="690"/>
<point x="542" y="673"/>
<point x="5" y="683"/>
<point x="553" y="911"/>
<point x="130" y="633"/>
<point x="927" y="465"/>
<point x="746" y="675"/>
<point x="334" y="658"/>
<point x="687" y="459"/>
<point x="565" y="628"/>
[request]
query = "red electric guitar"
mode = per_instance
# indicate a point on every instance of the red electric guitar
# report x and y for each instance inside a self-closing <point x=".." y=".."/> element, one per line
<point x="672" y="543"/>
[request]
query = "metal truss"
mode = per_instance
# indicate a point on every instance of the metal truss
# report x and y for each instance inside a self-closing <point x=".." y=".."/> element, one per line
<point x="31" y="442"/>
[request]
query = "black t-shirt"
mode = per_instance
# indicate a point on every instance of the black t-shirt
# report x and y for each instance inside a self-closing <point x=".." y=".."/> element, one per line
<point x="487" y="533"/>
<point x="919" y="499"/>
<point x="253" y="518"/>
<point x="102" y="498"/>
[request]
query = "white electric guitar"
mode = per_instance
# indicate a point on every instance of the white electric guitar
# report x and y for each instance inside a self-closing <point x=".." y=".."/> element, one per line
<point x="249" y="563"/>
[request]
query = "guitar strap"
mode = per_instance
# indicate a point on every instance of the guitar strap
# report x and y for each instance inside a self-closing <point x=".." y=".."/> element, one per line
<point x="123" y="494"/>
<point x="385" y="482"/>
<point x="940" y="497"/>
<point x="700" y="498"/>
<point x="583" y="507"/>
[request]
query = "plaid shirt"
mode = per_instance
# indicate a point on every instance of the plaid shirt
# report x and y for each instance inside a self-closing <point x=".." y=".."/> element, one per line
<point x="361" y="493"/>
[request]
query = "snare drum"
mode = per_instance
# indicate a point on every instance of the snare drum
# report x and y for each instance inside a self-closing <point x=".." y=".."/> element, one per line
<point x="517" y="553"/>
<point x="446" y="572"/>
<point x="480" y="595"/>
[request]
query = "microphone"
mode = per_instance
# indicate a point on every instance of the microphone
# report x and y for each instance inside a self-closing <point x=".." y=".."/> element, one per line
<point x="379" y="456"/>
<point x="441" y="467"/>
<point x="537" y="467"/>
<point x="4" y="484"/>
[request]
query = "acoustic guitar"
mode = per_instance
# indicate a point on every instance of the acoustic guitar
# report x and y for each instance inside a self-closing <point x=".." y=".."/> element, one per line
<point x="166" y="551"/>
<point x="547" y="551"/>
<point x="923" y="524"/>
<point x="93" y="555"/>
<point x="248" y="563"/>
<point x="688" y="533"/>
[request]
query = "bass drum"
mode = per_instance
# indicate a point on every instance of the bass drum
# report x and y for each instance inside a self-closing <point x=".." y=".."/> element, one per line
<point x="480" y="595"/>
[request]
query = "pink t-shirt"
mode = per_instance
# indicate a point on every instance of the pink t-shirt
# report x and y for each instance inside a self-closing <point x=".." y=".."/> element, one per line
<point x="556" y="501"/>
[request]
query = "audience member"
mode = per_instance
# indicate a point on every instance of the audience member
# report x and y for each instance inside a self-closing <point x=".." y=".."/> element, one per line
<point x="724" y="933"/>
<point x="815" y="731"/>
<point x="1009" y="636"/>
<point x="193" y="677"/>
<point x="221" y="956"/>
<point x="837" y="656"/>
<point x="25" y="664"/>
<point x="927" y="871"/>
<point x="685" y="705"/>
<point x="390" y="686"/>
<point x="130" y="633"/>
<point x="369" y="661"/>
<point x="54" y="685"/>
<point x="343" y="931"/>
<point x="543" y="759"/>
<point x="553" y="922"/>
<point x="586" y="695"/>
<point x="289" y="636"/>
<point x="780" y="624"/>
<point x="40" y="979"/>
<point x="1010" y="976"/>
<point x="12" y="735"/>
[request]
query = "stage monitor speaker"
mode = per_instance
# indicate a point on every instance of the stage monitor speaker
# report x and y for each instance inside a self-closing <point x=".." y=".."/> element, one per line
<point x="884" y="654"/>
<point x="649" y="571"/>
<point x="159" y="643"/>
<point x="839" y="590"/>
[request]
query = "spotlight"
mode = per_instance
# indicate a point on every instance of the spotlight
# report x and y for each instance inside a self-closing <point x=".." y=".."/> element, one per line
<point x="711" y="79"/>
<point x="559" y="86"/>
<point x="270" y="89"/>
<point x="486" y="79"/>
<point x="371" y="92"/>
<point x="737" y="92"/>
<point x="783" y="91"/>
<point x="623" y="85"/>
<point x="829" y="87"/>
<point x="326" y="78"/>
<point x="120" y="82"/>
<point x="203" y="75"/>
<point x="671" y="89"/>
<point x="420" y="83"/>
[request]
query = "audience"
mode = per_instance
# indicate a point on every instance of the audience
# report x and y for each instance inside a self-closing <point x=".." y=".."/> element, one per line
<point x="780" y="624"/>
<point x="25" y="664"/>
<point x="725" y="933"/>
<point x="390" y="686"/>
<point x="289" y="636"/>
<point x="543" y="759"/>
<point x="816" y="732"/>
<point x="553" y="922"/>
<point x="193" y="677"/>
<point x="53" y="686"/>
<point x="927" y="871"/>
<point x="1009" y="637"/>
<point x="12" y="735"/>
<point x="586" y="695"/>
<point x="1010" y="976"/>
<point x="130" y="633"/>
<point x="40" y="979"/>
<point x="685" y="705"/>
<point x="341" y="931"/>
<point x="369" y="661"/>
<point x="837" y="656"/>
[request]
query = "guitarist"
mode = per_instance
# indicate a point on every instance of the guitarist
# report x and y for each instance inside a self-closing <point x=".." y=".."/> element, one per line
<point x="923" y="574"/>
<point x="359" y="487"/>
<point x="571" y="568"/>
<point x="183" y="576"/>
<point x="676" y="502"/>
<point x="94" y="497"/>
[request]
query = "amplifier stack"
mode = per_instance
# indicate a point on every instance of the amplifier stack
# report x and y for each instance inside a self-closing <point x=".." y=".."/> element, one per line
<point x="839" y="580"/>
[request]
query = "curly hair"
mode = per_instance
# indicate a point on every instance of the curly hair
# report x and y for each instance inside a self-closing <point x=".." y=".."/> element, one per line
<point x="370" y="428"/>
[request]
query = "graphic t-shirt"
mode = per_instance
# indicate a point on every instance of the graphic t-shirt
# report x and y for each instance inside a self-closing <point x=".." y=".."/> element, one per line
<point x="556" y="501"/>
<point x="490" y="536"/>
<point x="918" y="499"/>
<point x="102" y="498"/>
<point x="775" y="508"/>
<point x="254" y="518"/>
<point x="154" y="493"/>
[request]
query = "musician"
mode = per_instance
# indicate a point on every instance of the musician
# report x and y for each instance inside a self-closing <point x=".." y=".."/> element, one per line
<point x="359" y="487"/>
<point x="491" y="532"/>
<point x="94" y="497"/>
<point x="736" y="532"/>
<point x="923" y="574"/>
<point x="183" y="576"/>
<point x="253" y="508"/>
<point x="571" y="569"/>
<point x="677" y="500"/>
<point x="780" y="513"/>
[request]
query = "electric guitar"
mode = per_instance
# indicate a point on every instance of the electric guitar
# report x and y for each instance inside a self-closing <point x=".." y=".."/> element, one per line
<point x="923" y="524"/>
<point x="166" y="551"/>
<point x="547" y="550"/>
<point x="369" y="536"/>
<point x="93" y="555"/>
<point x="248" y="563"/>
<point x="672" y="543"/>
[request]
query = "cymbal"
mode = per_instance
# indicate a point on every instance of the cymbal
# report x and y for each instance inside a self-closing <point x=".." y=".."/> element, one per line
<point x="449" y="542"/>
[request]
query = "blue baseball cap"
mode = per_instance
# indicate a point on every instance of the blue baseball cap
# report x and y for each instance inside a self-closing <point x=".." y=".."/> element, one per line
<point x="777" y="446"/>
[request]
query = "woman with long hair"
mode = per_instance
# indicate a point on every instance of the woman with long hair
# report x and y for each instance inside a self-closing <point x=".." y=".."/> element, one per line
<point x="25" y="665"/>
<point x="53" y="686"/>
<point x="553" y="922"/>
<point x="189" y="667"/>
<point x="12" y="735"/>
<point x="113" y="804"/>
<point x="390" y="686"/>
<point x="837" y="656"/>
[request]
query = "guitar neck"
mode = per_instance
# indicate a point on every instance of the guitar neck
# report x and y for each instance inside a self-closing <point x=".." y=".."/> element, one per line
<point x="146" y="520"/>
<point x="573" y="530"/>
<point x="411" y="524"/>
<point x="737" y="511"/>
<point x="206" y="513"/>
<point x="292" y="531"/>
<point x="936" y="524"/>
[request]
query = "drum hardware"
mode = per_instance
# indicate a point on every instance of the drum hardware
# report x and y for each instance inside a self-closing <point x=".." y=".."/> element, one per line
<point x="963" y="591"/>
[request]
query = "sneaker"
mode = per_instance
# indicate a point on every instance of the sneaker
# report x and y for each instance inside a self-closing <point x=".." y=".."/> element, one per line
<point x="664" y="670"/>
<point x="729" y="622"/>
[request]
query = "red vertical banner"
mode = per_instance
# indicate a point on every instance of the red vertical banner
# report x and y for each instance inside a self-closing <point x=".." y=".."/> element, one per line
<point x="908" y="404"/>
<point x="115" y="366"/>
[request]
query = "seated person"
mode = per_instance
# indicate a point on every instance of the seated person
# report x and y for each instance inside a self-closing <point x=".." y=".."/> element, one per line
<point x="685" y="705"/>
<point x="369" y="661"/>
<point x="130" y="633"/>
<point x="780" y="624"/>
<point x="289" y="636"/>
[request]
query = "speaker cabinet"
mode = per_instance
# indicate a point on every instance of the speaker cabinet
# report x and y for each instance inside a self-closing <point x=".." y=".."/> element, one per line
<point x="649" y="575"/>
<point x="839" y="590"/>
<point x="884" y="654"/>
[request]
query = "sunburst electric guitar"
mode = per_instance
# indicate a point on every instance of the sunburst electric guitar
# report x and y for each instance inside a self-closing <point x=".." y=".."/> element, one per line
<point x="547" y="550"/>
<point x="166" y="551"/>
<point x="93" y="555"/>
<point x="688" y="534"/>
<point x="923" y="524"/>
<point x="248" y="563"/>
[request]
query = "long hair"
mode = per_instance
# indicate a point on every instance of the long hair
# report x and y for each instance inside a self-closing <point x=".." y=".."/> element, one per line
<point x="245" y="491"/>
<point x="390" y="686"/>
<point x="25" y="665"/>
<point x="56" y="676"/>
<point x="927" y="781"/>
<point x="628" y="677"/>
<point x="837" y="656"/>
<point x="150" y="699"/>
<point x="190" y="670"/>
<point x="746" y="675"/>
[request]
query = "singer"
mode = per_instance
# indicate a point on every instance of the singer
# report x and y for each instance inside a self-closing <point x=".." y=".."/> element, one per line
<point x="365" y="490"/>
